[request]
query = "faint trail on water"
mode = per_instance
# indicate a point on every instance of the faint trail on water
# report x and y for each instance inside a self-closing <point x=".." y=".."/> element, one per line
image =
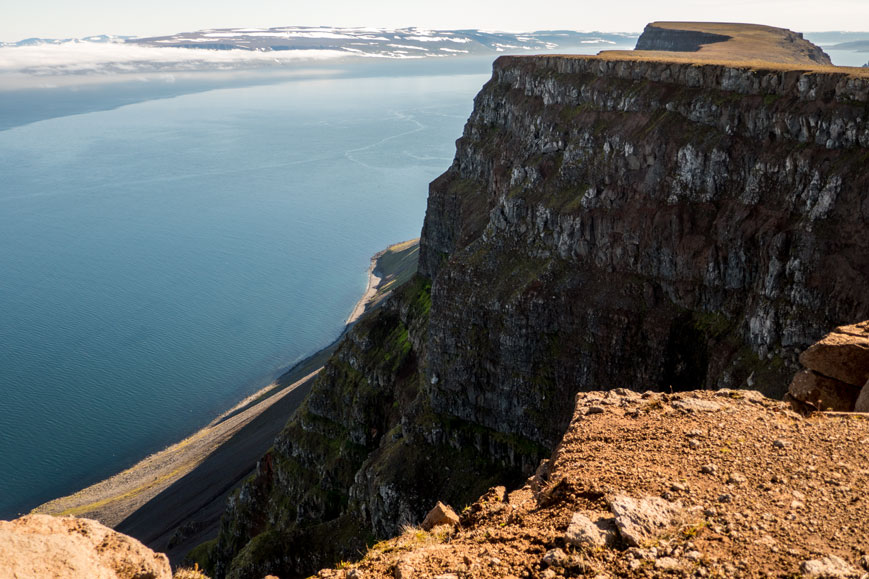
<point x="400" y="116"/>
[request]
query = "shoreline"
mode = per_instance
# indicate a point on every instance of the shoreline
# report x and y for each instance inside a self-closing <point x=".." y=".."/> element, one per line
<point x="114" y="500"/>
<point x="373" y="284"/>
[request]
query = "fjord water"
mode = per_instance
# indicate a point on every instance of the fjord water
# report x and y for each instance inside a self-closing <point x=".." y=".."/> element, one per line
<point x="161" y="260"/>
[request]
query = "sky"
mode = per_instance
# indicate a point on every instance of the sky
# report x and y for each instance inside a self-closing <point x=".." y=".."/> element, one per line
<point x="77" y="18"/>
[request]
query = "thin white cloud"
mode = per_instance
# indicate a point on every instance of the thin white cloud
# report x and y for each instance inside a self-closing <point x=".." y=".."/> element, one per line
<point x="109" y="58"/>
<point x="85" y="62"/>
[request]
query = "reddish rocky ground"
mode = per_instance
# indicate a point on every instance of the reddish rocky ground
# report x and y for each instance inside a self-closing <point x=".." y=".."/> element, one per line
<point x="726" y="484"/>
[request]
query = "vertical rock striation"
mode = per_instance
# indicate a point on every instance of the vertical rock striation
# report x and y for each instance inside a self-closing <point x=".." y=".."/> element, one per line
<point x="641" y="224"/>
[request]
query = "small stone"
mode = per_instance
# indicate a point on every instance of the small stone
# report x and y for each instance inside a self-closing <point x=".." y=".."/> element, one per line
<point x="782" y="443"/>
<point x="403" y="570"/>
<point x="725" y="498"/>
<point x="643" y="520"/>
<point x="447" y="576"/>
<point x="354" y="574"/>
<point x="548" y="574"/>
<point x="584" y="531"/>
<point x="864" y="562"/>
<point x="667" y="564"/>
<point x="440" y="515"/>
<point x="708" y="469"/>
<point x="797" y="505"/>
<point x="554" y="558"/>
<point x="694" y="555"/>
<point x="736" y="478"/>
<point x="696" y="405"/>
<point x="830" y="566"/>
<point x="594" y="410"/>
<point x="679" y="487"/>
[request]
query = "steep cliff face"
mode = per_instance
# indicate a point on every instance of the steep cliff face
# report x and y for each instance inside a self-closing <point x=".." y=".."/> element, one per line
<point x="641" y="224"/>
<point x="657" y="37"/>
<point x="605" y="223"/>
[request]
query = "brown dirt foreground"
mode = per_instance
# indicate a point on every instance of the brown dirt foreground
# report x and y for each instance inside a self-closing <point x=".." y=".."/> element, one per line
<point x="760" y="491"/>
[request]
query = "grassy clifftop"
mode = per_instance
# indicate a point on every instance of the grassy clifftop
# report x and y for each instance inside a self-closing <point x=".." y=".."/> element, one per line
<point x="730" y="41"/>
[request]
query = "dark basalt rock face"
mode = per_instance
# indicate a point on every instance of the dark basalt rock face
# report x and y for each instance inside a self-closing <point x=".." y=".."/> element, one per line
<point x="650" y="225"/>
<point x="605" y="223"/>
<point x="654" y="38"/>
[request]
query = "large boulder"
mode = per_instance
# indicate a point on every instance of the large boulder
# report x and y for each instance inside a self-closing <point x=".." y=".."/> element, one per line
<point x="837" y="368"/>
<point x="822" y="392"/>
<point x="843" y="354"/>
<point x="862" y="404"/>
<point x="39" y="546"/>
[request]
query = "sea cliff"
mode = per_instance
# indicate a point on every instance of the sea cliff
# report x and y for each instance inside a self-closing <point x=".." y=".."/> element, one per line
<point x="606" y="222"/>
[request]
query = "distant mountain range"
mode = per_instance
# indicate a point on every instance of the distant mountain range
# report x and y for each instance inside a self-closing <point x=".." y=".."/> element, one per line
<point x="373" y="42"/>
<point x="223" y="48"/>
<point x="102" y="38"/>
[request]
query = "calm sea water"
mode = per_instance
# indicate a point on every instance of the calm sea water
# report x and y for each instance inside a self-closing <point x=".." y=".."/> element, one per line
<point x="161" y="260"/>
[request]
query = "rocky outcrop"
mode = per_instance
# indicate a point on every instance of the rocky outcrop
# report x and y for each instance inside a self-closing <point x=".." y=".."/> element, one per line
<point x="837" y="371"/>
<point x="605" y="223"/>
<point x="41" y="546"/>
